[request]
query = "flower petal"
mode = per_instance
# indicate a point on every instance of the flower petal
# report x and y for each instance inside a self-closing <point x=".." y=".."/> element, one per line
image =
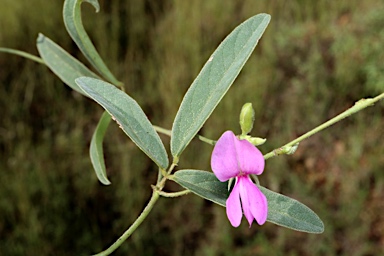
<point x="251" y="160"/>
<point x="259" y="206"/>
<point x="224" y="160"/>
<point x="254" y="201"/>
<point x="245" y="198"/>
<point x="233" y="205"/>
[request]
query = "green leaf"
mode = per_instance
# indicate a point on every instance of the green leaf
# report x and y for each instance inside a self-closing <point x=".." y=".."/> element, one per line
<point x="282" y="210"/>
<point x="204" y="184"/>
<point x="60" y="62"/>
<point x="75" y="28"/>
<point x="96" y="149"/>
<point x="128" y="115"/>
<point x="290" y="213"/>
<point x="214" y="80"/>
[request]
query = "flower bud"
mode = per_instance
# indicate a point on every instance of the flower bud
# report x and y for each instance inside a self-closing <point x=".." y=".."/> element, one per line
<point x="247" y="117"/>
<point x="256" y="141"/>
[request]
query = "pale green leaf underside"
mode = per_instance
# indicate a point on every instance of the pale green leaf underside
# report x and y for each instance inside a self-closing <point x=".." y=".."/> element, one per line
<point x="75" y="28"/>
<point x="282" y="210"/>
<point x="214" y="80"/>
<point x="128" y="115"/>
<point x="96" y="149"/>
<point x="61" y="63"/>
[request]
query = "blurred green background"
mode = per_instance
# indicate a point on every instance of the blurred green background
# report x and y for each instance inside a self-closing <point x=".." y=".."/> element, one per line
<point x="314" y="61"/>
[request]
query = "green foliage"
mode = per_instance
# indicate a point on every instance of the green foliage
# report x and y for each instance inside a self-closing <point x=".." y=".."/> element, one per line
<point x="128" y="115"/>
<point x="214" y="80"/>
<point x="309" y="66"/>
<point x="62" y="63"/>
<point x="96" y="151"/>
<point x="74" y="25"/>
<point x="204" y="184"/>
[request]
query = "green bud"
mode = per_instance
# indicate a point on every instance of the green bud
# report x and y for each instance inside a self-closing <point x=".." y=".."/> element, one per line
<point x="256" y="141"/>
<point x="247" y="117"/>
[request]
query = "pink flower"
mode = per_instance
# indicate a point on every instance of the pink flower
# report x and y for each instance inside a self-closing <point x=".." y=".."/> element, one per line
<point x="234" y="158"/>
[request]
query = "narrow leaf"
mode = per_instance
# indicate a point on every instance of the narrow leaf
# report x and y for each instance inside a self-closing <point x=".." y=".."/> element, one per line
<point x="128" y="115"/>
<point x="214" y="80"/>
<point x="282" y="210"/>
<point x="60" y="62"/>
<point x="96" y="148"/>
<point x="75" y="28"/>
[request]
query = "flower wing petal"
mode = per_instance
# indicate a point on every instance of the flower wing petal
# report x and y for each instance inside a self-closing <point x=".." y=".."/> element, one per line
<point x="250" y="159"/>
<point x="234" y="212"/>
<point x="258" y="204"/>
<point x="224" y="160"/>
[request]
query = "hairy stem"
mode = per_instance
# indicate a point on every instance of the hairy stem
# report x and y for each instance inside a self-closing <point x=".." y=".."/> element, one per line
<point x="174" y="194"/>
<point x="162" y="130"/>
<point x="133" y="227"/>
<point x="169" y="133"/>
<point x="359" y="105"/>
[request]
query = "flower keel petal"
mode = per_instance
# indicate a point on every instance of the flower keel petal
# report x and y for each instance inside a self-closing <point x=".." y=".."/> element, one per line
<point x="246" y="198"/>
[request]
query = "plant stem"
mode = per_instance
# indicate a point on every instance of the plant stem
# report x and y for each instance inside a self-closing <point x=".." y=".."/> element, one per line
<point x="169" y="133"/>
<point x="174" y="194"/>
<point x="173" y="165"/>
<point x="22" y="54"/>
<point x="157" y="191"/>
<point x="133" y="227"/>
<point x="155" y="196"/>
<point x="359" y="105"/>
<point x="206" y="140"/>
<point x="162" y="130"/>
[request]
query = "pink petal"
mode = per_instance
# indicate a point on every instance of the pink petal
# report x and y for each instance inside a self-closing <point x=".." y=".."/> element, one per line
<point x="245" y="198"/>
<point x="233" y="205"/>
<point x="253" y="201"/>
<point x="224" y="160"/>
<point x="251" y="160"/>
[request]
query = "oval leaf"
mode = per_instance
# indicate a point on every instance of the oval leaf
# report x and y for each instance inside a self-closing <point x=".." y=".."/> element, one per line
<point x="290" y="213"/>
<point x="61" y="63"/>
<point x="96" y="149"/>
<point x="204" y="184"/>
<point x="75" y="28"/>
<point x="214" y="80"/>
<point x="128" y="115"/>
<point x="282" y="210"/>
